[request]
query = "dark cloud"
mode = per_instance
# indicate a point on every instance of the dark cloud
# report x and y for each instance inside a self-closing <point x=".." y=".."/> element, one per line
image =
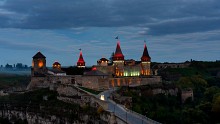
<point x="188" y="25"/>
<point x="156" y="15"/>
<point x="28" y="46"/>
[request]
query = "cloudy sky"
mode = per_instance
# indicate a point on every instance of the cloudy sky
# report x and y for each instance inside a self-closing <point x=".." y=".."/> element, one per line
<point x="174" y="30"/>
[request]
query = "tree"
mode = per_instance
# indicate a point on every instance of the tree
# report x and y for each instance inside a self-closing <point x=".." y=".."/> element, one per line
<point x="198" y="81"/>
<point x="191" y="115"/>
<point x="210" y="92"/>
<point x="185" y="82"/>
<point x="199" y="85"/>
<point x="195" y="82"/>
<point x="216" y="103"/>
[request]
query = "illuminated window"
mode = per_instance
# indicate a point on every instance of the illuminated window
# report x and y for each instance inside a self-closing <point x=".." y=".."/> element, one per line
<point x="40" y="64"/>
<point x="121" y="74"/>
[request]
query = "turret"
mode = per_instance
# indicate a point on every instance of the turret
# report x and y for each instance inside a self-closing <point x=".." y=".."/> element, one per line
<point x="56" y="65"/>
<point x="145" y="62"/>
<point x="118" y="61"/>
<point x="81" y="62"/>
<point x="118" y="56"/>
<point x="38" y="65"/>
<point x="102" y="62"/>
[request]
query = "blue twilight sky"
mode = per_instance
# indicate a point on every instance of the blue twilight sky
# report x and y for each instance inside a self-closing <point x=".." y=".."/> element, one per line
<point x="175" y="30"/>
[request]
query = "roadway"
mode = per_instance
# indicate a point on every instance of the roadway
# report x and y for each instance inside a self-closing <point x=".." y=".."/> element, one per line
<point x="127" y="115"/>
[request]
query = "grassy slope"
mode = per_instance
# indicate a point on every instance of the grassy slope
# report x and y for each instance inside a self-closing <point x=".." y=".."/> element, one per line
<point x="11" y="80"/>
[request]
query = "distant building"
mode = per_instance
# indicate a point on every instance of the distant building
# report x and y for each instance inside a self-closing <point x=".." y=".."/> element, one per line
<point x="8" y="66"/>
<point x="19" y="65"/>
<point x="25" y="66"/>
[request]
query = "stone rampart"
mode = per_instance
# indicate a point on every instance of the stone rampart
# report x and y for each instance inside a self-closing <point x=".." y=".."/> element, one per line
<point x="134" y="81"/>
<point x="47" y="81"/>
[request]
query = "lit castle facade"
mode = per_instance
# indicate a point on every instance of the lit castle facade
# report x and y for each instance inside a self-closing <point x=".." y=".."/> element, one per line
<point x="104" y="75"/>
<point x="125" y="68"/>
<point x="120" y="72"/>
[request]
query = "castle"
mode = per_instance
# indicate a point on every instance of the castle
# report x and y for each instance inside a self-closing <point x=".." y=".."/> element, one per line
<point x="104" y="75"/>
<point x="125" y="68"/>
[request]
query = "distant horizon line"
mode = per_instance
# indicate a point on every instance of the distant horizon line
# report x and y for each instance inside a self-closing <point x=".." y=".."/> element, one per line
<point x="29" y="66"/>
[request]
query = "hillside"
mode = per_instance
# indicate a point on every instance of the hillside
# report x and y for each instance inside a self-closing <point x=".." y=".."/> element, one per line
<point x="8" y="81"/>
<point x="201" y="77"/>
<point x="44" y="104"/>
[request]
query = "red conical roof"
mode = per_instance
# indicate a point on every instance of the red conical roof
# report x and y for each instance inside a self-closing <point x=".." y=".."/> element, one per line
<point x="118" y="53"/>
<point x="80" y="61"/>
<point x="145" y="57"/>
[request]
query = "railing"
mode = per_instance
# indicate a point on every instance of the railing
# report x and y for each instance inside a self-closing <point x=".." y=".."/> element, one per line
<point x="100" y="102"/>
<point x="141" y="117"/>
